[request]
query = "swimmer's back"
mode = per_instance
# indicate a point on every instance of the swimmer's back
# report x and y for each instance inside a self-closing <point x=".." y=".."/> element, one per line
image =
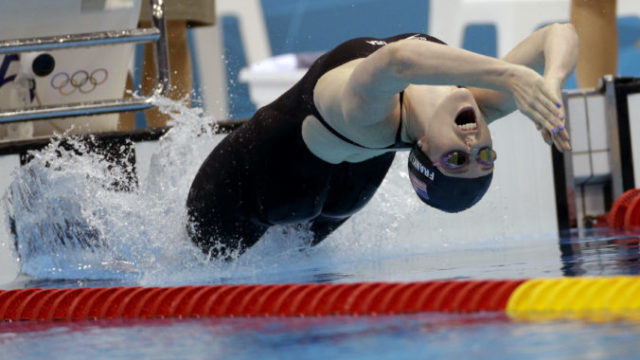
<point x="263" y="174"/>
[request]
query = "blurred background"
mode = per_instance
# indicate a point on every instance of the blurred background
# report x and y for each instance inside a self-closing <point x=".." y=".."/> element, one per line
<point x="296" y="26"/>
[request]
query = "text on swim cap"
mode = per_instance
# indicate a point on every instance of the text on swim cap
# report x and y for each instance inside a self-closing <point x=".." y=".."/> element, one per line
<point x="421" y="168"/>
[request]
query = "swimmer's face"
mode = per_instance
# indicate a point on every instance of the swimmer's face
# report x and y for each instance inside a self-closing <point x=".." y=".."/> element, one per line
<point x="457" y="124"/>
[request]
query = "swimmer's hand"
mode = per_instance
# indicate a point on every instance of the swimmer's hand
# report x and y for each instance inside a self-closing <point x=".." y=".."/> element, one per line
<point x="539" y="100"/>
<point x="555" y="84"/>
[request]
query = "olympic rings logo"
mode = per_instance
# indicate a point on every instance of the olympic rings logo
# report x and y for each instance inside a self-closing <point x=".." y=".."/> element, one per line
<point x="81" y="81"/>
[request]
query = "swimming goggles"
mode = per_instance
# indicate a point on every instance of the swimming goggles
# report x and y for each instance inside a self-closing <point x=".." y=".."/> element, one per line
<point x="457" y="160"/>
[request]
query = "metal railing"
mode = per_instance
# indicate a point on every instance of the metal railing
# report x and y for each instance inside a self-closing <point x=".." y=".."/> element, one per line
<point x="620" y="177"/>
<point x="564" y="175"/>
<point x="157" y="34"/>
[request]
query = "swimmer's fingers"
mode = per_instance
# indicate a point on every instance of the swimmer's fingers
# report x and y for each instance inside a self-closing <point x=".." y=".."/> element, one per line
<point x="546" y="135"/>
<point x="538" y="117"/>
<point x="561" y="145"/>
<point x="538" y="103"/>
<point x="551" y="103"/>
<point x="552" y="90"/>
<point x="564" y="134"/>
<point x="545" y="127"/>
<point x="558" y="139"/>
<point x="559" y="133"/>
<point x="562" y="140"/>
<point x="545" y="117"/>
<point x="550" y="107"/>
<point x="554" y="86"/>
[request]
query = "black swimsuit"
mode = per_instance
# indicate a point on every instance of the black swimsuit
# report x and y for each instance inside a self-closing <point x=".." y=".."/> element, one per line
<point x="263" y="174"/>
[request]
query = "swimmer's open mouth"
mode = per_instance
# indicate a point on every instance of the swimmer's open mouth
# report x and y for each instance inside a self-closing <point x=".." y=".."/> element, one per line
<point x="466" y="120"/>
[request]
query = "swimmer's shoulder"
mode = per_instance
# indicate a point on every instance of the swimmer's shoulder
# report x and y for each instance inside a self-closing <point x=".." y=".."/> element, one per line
<point x="337" y="66"/>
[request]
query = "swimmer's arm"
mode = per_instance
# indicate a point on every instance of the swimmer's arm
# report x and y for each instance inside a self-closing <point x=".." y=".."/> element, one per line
<point x="370" y="92"/>
<point x="361" y="94"/>
<point x="367" y="96"/>
<point x="551" y="51"/>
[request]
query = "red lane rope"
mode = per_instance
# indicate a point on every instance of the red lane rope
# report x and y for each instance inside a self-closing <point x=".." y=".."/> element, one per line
<point x="255" y="300"/>
<point x="624" y="211"/>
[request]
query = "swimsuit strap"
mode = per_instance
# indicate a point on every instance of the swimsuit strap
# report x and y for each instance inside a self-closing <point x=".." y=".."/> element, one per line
<point x="337" y="134"/>
<point x="398" y="144"/>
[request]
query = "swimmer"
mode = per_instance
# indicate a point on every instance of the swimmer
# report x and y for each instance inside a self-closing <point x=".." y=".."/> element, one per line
<point x="319" y="152"/>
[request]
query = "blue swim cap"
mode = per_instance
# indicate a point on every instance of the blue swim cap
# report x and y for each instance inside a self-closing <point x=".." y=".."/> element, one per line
<point x="443" y="192"/>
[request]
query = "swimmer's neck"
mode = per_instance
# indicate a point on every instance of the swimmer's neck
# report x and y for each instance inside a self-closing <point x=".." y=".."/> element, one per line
<point x="419" y="116"/>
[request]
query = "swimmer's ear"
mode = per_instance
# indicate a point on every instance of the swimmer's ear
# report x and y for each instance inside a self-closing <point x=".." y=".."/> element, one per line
<point x="423" y="144"/>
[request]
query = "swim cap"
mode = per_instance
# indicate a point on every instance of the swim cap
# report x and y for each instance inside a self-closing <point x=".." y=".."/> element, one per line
<point x="447" y="193"/>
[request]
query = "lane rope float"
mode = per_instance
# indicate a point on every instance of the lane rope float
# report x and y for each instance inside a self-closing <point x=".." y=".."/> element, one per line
<point x="599" y="299"/>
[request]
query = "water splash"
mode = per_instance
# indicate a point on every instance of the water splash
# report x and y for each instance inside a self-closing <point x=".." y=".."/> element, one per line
<point x="70" y="222"/>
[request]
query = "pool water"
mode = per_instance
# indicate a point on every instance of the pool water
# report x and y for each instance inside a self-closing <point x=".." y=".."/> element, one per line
<point x="80" y="233"/>
<point x="597" y="252"/>
<point x="421" y="336"/>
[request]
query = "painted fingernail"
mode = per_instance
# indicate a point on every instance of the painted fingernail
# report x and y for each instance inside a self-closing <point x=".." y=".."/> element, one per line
<point x="558" y="105"/>
<point x="560" y="128"/>
<point x="554" y="131"/>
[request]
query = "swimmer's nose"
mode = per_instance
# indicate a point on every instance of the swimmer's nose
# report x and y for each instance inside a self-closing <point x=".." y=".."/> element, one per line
<point x="469" y="141"/>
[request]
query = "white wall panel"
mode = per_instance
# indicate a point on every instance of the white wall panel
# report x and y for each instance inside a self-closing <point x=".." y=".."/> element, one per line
<point x="634" y="122"/>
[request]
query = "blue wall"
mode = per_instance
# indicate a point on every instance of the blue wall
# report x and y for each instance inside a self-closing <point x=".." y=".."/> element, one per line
<point x="305" y="25"/>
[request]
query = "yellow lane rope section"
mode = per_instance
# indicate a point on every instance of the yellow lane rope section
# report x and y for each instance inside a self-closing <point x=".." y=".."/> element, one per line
<point x="589" y="298"/>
